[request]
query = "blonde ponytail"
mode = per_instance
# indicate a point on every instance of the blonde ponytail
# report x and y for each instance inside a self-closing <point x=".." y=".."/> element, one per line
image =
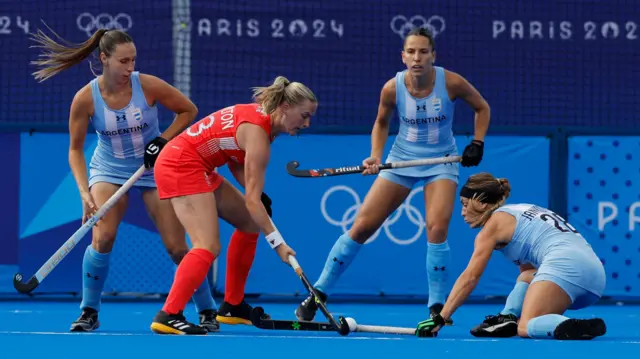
<point x="282" y="91"/>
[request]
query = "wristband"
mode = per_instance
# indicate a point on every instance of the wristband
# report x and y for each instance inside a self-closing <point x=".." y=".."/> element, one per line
<point x="275" y="239"/>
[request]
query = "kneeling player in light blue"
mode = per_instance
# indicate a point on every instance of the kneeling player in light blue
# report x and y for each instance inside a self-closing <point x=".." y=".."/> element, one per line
<point x="562" y="268"/>
<point x="424" y="97"/>
<point x="122" y="106"/>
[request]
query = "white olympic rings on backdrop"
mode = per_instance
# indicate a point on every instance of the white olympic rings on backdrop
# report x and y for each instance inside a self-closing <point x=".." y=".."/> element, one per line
<point x="348" y="217"/>
<point x="402" y="26"/>
<point x="89" y="24"/>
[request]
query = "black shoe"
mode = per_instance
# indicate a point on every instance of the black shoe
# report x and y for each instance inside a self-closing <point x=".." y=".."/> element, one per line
<point x="208" y="320"/>
<point x="580" y="329"/>
<point x="165" y="323"/>
<point x="236" y="314"/>
<point x="87" y="322"/>
<point x="306" y="311"/>
<point x="497" y="326"/>
<point x="436" y="309"/>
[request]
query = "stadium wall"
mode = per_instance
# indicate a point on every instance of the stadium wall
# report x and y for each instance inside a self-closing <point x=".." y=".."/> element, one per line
<point x="560" y="84"/>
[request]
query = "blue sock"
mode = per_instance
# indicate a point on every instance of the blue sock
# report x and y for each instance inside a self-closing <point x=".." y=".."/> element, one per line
<point x="339" y="259"/>
<point x="203" y="297"/>
<point x="515" y="299"/>
<point x="438" y="258"/>
<point x="95" y="267"/>
<point x="542" y="327"/>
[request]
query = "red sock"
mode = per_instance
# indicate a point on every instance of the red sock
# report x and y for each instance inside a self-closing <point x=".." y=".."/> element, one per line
<point x="189" y="276"/>
<point x="240" y="255"/>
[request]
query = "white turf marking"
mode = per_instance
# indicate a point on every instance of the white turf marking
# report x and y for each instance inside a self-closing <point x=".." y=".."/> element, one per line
<point x="217" y="335"/>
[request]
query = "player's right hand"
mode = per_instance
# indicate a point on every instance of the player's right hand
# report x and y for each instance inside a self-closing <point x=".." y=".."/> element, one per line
<point x="284" y="251"/>
<point x="371" y="165"/>
<point x="89" y="207"/>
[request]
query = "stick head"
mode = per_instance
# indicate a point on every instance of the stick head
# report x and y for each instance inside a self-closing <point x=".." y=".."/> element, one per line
<point x="344" y="326"/>
<point x="27" y="287"/>
<point x="292" y="166"/>
<point x="256" y="316"/>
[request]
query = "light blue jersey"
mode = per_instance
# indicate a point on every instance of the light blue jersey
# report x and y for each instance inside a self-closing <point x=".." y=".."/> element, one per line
<point x="122" y="137"/>
<point x="547" y="241"/>
<point x="425" y="132"/>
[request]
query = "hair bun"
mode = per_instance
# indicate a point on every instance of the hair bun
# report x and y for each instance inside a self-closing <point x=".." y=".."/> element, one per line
<point x="506" y="186"/>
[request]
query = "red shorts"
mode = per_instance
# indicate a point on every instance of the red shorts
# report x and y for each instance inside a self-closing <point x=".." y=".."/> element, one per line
<point x="180" y="171"/>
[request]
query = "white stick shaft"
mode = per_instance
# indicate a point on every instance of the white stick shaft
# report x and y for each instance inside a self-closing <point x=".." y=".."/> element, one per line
<point x="294" y="262"/>
<point x="426" y="161"/>
<point x="385" y="330"/>
<point x="75" y="238"/>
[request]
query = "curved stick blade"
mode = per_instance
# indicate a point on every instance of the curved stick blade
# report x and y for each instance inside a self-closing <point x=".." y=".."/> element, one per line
<point x="27" y="287"/>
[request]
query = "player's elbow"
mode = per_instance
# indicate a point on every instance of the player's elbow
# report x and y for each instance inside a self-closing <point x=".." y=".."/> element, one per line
<point x="75" y="151"/>
<point x="192" y="111"/>
<point x="483" y="108"/>
<point x="382" y="123"/>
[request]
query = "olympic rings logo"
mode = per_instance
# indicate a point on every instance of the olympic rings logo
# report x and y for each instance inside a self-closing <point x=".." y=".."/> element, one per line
<point x="348" y="217"/>
<point x="402" y="26"/>
<point x="89" y="24"/>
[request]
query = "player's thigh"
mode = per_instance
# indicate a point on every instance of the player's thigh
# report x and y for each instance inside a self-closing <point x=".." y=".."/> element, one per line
<point x="384" y="197"/>
<point x="232" y="207"/>
<point x="440" y="197"/>
<point x="107" y="227"/>
<point x="199" y="216"/>
<point x="164" y="217"/>
<point x="543" y="297"/>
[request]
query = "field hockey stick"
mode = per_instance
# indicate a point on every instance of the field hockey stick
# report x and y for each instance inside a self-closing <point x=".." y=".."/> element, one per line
<point x="259" y="321"/>
<point x="341" y="325"/>
<point x="62" y="252"/>
<point x="292" y="167"/>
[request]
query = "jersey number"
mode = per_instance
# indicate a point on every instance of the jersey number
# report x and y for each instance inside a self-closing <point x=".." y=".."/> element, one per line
<point x="201" y="127"/>
<point x="560" y="223"/>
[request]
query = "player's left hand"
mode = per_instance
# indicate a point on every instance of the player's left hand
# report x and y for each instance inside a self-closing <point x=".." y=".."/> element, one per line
<point x="472" y="154"/>
<point x="152" y="151"/>
<point x="430" y="327"/>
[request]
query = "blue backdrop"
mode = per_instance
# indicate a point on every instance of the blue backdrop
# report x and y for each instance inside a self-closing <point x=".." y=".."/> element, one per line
<point x="311" y="214"/>
<point x="604" y="204"/>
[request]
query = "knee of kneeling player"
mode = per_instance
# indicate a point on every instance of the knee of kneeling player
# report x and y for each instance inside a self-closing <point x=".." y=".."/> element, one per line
<point x="522" y="329"/>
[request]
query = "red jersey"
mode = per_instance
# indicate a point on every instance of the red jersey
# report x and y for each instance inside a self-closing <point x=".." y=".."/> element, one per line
<point x="214" y="137"/>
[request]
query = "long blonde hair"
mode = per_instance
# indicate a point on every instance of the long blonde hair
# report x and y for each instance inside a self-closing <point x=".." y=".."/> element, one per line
<point x="58" y="57"/>
<point x="487" y="190"/>
<point x="282" y="91"/>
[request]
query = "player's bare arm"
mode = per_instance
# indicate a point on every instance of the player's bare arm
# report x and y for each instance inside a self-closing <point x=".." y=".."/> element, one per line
<point x="158" y="90"/>
<point x="492" y="233"/>
<point x="81" y="110"/>
<point x="459" y="87"/>
<point x="386" y="106"/>
<point x="255" y="142"/>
